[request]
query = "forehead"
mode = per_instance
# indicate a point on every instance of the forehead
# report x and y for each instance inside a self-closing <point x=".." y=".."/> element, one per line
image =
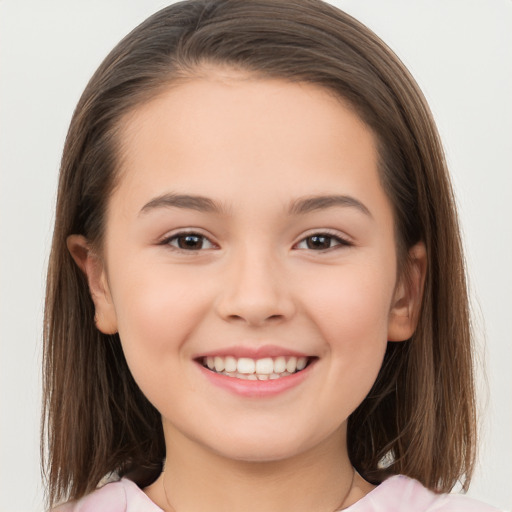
<point x="223" y="133"/>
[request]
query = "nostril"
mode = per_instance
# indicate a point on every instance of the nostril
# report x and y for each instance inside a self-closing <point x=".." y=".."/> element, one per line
<point x="255" y="319"/>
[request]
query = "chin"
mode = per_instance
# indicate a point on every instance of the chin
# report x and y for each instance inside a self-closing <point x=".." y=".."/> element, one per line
<point x="263" y="449"/>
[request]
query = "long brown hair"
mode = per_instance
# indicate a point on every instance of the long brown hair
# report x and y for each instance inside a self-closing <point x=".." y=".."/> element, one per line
<point x="419" y="418"/>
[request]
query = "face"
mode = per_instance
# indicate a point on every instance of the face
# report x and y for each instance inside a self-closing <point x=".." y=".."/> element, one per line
<point x="249" y="264"/>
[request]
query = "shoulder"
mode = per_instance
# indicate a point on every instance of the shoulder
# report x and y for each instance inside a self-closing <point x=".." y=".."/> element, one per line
<point x="121" y="496"/>
<point x="403" y="494"/>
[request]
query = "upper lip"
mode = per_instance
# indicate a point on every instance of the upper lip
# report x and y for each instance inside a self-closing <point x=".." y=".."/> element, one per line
<point x="252" y="352"/>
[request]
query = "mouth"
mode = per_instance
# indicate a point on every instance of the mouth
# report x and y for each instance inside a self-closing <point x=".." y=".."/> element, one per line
<point x="245" y="368"/>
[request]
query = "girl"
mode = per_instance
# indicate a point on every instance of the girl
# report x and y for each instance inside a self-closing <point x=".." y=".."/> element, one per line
<point x="256" y="295"/>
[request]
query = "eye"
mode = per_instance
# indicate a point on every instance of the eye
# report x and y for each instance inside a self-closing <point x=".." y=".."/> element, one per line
<point x="189" y="242"/>
<point x="321" y="242"/>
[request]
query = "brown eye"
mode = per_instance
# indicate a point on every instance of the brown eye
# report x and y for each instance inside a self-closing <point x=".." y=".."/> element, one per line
<point x="319" y="242"/>
<point x="189" y="242"/>
<point x="322" y="242"/>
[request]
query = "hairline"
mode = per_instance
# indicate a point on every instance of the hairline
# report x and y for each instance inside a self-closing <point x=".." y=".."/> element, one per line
<point x="208" y="69"/>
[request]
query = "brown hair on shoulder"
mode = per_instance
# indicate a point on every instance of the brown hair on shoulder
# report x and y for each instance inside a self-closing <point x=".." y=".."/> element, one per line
<point x="419" y="417"/>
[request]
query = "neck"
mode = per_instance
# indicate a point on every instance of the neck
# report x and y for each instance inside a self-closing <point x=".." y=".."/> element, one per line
<point x="196" y="479"/>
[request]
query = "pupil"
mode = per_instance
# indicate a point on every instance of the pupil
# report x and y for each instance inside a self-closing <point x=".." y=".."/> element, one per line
<point x="190" y="242"/>
<point x="319" y="242"/>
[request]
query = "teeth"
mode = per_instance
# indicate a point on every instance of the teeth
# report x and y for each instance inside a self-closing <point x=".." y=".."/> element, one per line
<point x="301" y="363"/>
<point x="230" y="364"/>
<point x="246" y="365"/>
<point x="251" y="369"/>
<point x="291" y="365"/>
<point x="264" y="366"/>
<point x="279" y="365"/>
<point x="219" y="364"/>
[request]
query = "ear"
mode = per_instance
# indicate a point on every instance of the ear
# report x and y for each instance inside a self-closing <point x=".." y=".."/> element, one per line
<point x="93" y="268"/>
<point x="406" y="305"/>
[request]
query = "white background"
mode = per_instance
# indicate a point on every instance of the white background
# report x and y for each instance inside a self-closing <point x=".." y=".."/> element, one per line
<point x="460" y="51"/>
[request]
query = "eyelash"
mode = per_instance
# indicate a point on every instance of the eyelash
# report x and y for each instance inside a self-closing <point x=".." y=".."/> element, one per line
<point x="339" y="241"/>
<point x="190" y="234"/>
<point x="326" y="236"/>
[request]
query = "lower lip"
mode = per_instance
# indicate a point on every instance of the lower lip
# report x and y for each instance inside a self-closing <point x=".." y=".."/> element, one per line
<point x="256" y="388"/>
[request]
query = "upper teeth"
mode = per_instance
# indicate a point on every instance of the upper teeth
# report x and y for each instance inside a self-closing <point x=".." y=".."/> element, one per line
<point x="245" y="367"/>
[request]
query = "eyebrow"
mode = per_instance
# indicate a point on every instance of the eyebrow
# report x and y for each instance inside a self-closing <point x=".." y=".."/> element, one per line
<point x="299" y="206"/>
<point x="190" y="202"/>
<point x="312" y="203"/>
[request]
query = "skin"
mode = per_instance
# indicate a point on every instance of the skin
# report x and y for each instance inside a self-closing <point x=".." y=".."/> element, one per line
<point x="254" y="148"/>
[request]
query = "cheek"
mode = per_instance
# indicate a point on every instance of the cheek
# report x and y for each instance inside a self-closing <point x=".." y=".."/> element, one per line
<point x="352" y="306"/>
<point x="353" y="320"/>
<point x="156" y="313"/>
<point x="156" y="310"/>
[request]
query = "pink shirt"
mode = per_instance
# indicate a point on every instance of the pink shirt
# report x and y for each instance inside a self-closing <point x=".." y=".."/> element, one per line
<point x="396" y="494"/>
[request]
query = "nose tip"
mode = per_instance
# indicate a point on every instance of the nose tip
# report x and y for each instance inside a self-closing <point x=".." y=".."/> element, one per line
<point x="255" y="294"/>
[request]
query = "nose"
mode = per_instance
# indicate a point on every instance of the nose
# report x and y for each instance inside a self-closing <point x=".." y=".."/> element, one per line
<point x="255" y="291"/>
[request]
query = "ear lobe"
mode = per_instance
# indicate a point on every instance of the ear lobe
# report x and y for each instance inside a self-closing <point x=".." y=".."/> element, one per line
<point x="93" y="268"/>
<point x="407" y="300"/>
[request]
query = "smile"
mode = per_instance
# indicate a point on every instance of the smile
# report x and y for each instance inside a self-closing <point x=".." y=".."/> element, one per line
<point x="268" y="368"/>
